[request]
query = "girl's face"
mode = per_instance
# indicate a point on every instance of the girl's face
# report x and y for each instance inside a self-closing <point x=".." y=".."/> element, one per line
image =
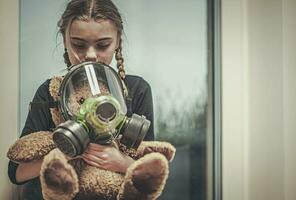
<point x="91" y="41"/>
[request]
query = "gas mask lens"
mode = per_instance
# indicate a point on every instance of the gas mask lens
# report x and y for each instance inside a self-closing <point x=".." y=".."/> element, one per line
<point x="93" y="106"/>
<point x="106" y="112"/>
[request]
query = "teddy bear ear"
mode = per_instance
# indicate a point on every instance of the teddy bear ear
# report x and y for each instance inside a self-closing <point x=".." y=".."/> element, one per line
<point x="31" y="147"/>
<point x="54" y="89"/>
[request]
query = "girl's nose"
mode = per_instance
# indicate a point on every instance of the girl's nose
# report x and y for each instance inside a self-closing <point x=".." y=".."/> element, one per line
<point x="91" y="55"/>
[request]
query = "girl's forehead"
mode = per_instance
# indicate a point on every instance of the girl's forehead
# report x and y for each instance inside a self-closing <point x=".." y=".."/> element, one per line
<point x="92" y="29"/>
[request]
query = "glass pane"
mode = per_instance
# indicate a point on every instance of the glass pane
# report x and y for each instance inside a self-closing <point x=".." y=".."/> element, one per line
<point x="41" y="48"/>
<point x="166" y="43"/>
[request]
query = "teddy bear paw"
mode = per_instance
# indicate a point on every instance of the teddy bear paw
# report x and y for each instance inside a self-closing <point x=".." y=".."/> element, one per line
<point x="58" y="178"/>
<point x="150" y="174"/>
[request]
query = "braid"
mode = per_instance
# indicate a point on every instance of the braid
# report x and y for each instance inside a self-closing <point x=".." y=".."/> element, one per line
<point x="119" y="59"/>
<point x="66" y="58"/>
<point x="120" y="66"/>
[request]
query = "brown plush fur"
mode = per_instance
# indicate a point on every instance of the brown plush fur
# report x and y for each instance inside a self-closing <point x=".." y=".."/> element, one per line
<point x="65" y="180"/>
<point x="31" y="147"/>
<point x="54" y="86"/>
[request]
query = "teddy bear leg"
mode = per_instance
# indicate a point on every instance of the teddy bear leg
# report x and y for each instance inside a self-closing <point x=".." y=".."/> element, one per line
<point x="58" y="178"/>
<point x="145" y="178"/>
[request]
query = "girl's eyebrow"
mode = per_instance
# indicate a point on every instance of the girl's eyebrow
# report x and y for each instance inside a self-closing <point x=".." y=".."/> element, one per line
<point x="99" y="40"/>
<point x="77" y="38"/>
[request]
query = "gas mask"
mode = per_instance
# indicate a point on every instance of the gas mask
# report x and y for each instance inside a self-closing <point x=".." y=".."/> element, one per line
<point x="91" y="100"/>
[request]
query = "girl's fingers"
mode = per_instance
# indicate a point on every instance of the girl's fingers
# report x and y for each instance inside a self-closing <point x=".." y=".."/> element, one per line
<point x="95" y="164"/>
<point x="100" y="155"/>
<point x="93" y="158"/>
<point x="96" y="147"/>
<point x="101" y="147"/>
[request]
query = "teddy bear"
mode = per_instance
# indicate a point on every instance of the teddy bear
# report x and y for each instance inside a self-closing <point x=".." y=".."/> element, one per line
<point x="64" y="179"/>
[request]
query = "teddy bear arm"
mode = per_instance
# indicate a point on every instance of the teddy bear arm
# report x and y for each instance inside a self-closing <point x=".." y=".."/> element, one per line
<point x="31" y="147"/>
<point x="164" y="148"/>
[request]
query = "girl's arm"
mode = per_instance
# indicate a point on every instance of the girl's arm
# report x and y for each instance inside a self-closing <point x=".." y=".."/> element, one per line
<point x="27" y="171"/>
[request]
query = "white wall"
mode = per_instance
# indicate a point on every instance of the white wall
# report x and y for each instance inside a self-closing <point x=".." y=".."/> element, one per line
<point x="258" y="70"/>
<point x="289" y="92"/>
<point x="9" y="88"/>
<point x="233" y="53"/>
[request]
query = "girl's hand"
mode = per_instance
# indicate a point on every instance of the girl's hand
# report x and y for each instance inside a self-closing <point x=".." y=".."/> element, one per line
<point x="107" y="157"/>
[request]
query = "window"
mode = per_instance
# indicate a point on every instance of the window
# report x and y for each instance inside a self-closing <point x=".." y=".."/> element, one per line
<point x="171" y="44"/>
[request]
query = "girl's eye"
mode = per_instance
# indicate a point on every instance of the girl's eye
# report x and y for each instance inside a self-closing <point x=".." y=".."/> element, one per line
<point x="78" y="45"/>
<point x="102" y="46"/>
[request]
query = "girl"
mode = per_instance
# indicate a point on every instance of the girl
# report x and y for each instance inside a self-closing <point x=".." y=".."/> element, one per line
<point x="92" y="31"/>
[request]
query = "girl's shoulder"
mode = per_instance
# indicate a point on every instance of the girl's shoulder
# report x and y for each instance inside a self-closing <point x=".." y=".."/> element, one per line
<point x="44" y="90"/>
<point x="134" y="82"/>
<point x="45" y="84"/>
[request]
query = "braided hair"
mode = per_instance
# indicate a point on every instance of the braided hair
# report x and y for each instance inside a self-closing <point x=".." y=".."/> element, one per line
<point x="119" y="60"/>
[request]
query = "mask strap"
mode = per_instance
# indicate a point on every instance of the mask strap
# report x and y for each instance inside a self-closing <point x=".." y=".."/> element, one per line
<point x="43" y="104"/>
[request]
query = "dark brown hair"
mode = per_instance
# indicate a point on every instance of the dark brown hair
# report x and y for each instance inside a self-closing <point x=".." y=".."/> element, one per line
<point x="95" y="9"/>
